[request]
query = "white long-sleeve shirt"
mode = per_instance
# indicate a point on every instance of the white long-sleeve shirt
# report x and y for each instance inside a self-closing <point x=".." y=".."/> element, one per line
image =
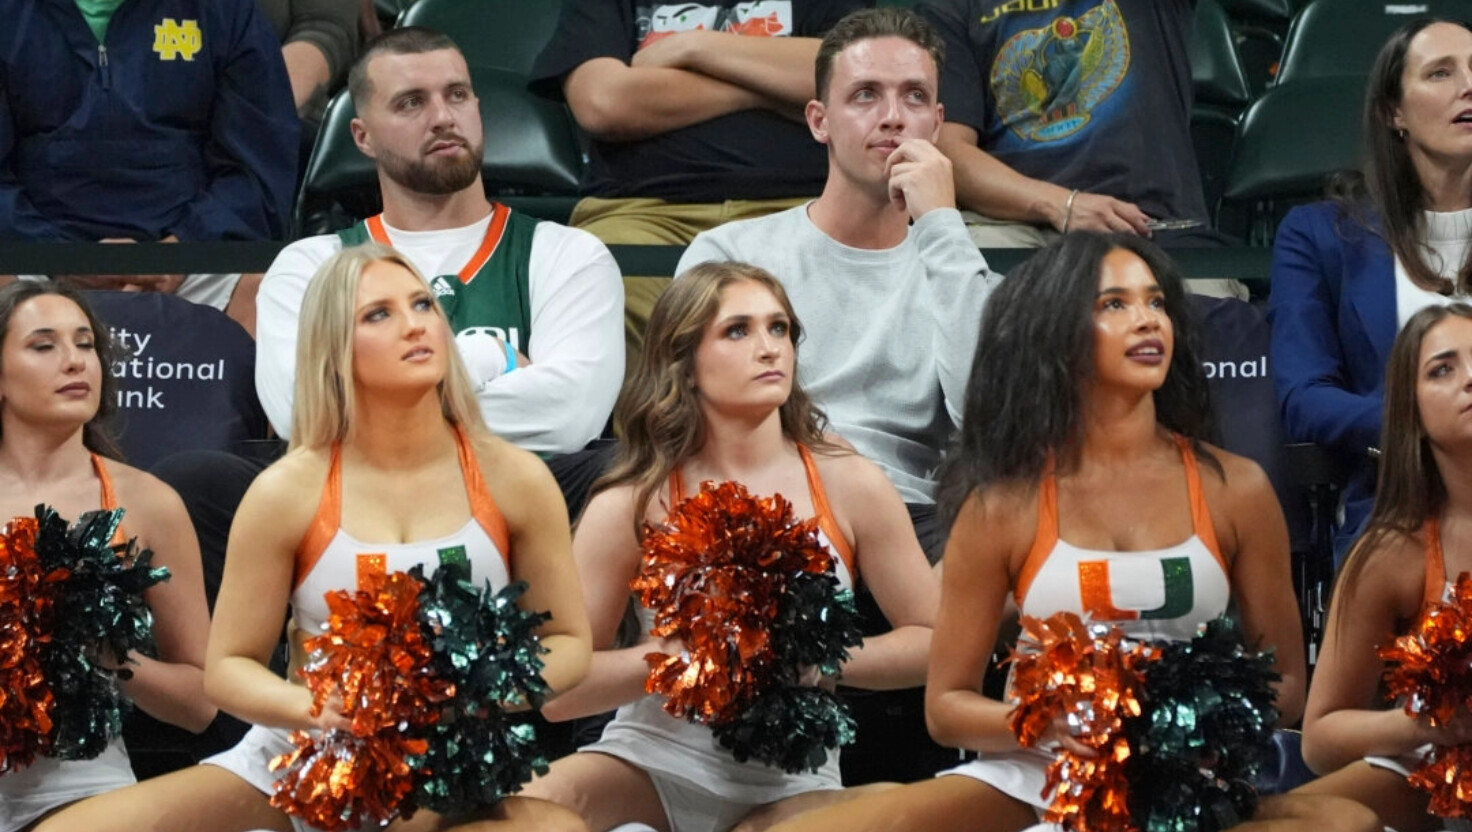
<point x="557" y="404"/>
<point x="888" y="334"/>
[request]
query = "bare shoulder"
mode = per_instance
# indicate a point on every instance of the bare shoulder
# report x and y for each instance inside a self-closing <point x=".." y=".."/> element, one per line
<point x="1239" y="478"/>
<point x="1001" y="506"/>
<point x="839" y="441"/>
<point x="290" y="489"/>
<point x="606" y="533"/>
<point x="502" y="462"/>
<point x="1393" y="569"/>
<point x="152" y="511"/>
<point x="141" y="493"/>
<point x="617" y="505"/>
<point x="518" y="480"/>
<point x="1001" y="518"/>
<point x="850" y="477"/>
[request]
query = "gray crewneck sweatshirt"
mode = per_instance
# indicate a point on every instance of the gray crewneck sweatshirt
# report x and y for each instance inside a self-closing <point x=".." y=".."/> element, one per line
<point x="888" y="334"/>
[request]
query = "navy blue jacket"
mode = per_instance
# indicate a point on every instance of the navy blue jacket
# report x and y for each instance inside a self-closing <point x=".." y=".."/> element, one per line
<point x="181" y="123"/>
<point x="1333" y="313"/>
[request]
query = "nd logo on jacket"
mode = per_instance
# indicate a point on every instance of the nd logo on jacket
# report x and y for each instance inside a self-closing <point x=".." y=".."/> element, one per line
<point x="174" y="40"/>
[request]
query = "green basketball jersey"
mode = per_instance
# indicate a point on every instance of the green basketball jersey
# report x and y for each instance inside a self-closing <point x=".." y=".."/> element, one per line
<point x="491" y="292"/>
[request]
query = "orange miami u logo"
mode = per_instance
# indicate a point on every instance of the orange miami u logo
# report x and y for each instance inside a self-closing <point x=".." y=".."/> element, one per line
<point x="1097" y="591"/>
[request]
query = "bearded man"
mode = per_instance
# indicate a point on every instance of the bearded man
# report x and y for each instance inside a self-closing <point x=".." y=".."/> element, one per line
<point x="537" y="307"/>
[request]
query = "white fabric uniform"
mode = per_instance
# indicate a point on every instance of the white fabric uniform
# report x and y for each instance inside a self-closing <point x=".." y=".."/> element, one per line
<point x="328" y="559"/>
<point x="50" y="784"/>
<point x="888" y="334"/>
<point x="1164" y="594"/>
<point x="701" y="786"/>
<point x="557" y="404"/>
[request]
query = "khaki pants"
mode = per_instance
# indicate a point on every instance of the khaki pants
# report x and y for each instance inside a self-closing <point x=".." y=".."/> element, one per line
<point x="654" y="222"/>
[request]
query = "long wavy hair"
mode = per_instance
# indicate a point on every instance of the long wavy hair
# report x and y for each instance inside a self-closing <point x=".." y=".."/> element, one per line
<point x="1389" y="182"/>
<point x="1410" y="487"/>
<point x="658" y="416"/>
<point x="96" y="434"/>
<point x="323" y="403"/>
<point x="1027" y="393"/>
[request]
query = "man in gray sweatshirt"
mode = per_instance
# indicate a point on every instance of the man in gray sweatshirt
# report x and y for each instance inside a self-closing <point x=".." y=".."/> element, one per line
<point x="880" y="268"/>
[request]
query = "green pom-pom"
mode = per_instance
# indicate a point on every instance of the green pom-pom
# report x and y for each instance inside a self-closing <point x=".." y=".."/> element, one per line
<point x="789" y="726"/>
<point x="1204" y="734"/>
<point x="99" y="609"/>
<point x="487" y="646"/>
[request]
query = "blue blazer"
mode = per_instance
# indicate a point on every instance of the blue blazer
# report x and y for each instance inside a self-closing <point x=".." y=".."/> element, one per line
<point x="1332" y="309"/>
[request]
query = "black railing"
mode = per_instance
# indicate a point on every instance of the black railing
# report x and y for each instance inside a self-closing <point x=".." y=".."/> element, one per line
<point x="1247" y="264"/>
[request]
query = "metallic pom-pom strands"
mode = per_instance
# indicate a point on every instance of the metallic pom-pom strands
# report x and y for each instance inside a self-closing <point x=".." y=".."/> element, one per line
<point x="375" y="657"/>
<point x="1204" y="734"/>
<point x="69" y="600"/>
<point x="1091" y="675"/>
<point x="1180" y="728"/>
<point x="753" y="596"/>
<point x="486" y="647"/>
<point x="426" y="669"/>
<point x="1431" y="669"/>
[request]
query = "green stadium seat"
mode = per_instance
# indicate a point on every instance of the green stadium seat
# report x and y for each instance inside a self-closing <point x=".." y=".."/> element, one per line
<point x="388" y="11"/>
<point x="1216" y="71"/>
<point x="1342" y="37"/>
<point x="532" y="159"/>
<point x="1221" y="93"/>
<point x="1263" y="10"/>
<point x="1259" y="46"/>
<point x="501" y="34"/>
<point x="1290" y="141"/>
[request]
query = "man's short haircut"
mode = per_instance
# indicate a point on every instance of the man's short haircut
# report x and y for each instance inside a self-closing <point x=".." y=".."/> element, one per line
<point x="410" y="40"/>
<point x="867" y="24"/>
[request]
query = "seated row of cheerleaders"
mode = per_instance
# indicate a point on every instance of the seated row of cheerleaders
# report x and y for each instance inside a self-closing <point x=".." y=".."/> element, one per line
<point x="1081" y="482"/>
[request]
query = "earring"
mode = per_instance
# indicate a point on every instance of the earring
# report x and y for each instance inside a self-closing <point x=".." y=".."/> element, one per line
<point x="1401" y="134"/>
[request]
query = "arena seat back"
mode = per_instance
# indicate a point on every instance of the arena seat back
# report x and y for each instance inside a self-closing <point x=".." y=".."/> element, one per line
<point x="1262" y="9"/>
<point x="1342" y="37"/>
<point x="1216" y="71"/>
<point x="532" y="159"/>
<point x="1290" y="141"/>
<point x="500" y="34"/>
<point x="1220" y="94"/>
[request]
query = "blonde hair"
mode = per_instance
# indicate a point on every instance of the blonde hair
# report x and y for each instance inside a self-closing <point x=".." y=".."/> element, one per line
<point x="322" y="412"/>
<point x="658" y="416"/>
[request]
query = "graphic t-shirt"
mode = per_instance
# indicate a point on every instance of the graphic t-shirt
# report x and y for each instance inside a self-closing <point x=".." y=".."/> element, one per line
<point x="752" y="154"/>
<point x="1088" y="94"/>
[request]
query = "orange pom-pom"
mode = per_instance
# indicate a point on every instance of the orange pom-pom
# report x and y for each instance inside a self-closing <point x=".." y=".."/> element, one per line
<point x="374" y="655"/>
<point x="713" y="574"/>
<point x="344" y="781"/>
<point x="27" y="599"/>
<point x="1091" y="676"/>
<point x="1431" y="669"/>
<point x="1447" y="777"/>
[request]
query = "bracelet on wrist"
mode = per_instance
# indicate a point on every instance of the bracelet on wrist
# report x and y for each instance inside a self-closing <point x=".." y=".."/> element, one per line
<point x="1068" y="210"/>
